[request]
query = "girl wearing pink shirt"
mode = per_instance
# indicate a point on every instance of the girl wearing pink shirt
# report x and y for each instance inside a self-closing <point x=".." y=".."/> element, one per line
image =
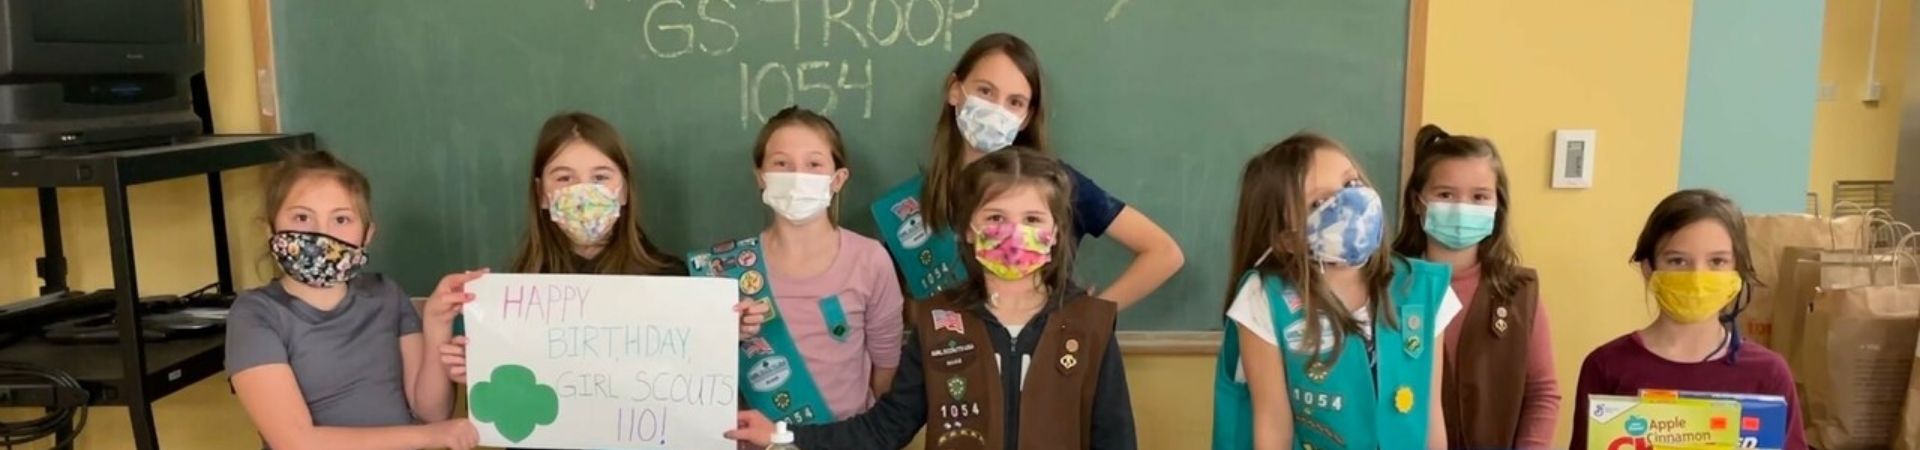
<point x="830" y="338"/>
<point x="1500" y="390"/>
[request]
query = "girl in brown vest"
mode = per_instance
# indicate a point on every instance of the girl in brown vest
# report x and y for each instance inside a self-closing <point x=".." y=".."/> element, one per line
<point x="1014" y="348"/>
<point x="1500" y="390"/>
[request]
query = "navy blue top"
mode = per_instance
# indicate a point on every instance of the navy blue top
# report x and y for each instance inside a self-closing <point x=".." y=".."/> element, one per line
<point x="1093" y="209"/>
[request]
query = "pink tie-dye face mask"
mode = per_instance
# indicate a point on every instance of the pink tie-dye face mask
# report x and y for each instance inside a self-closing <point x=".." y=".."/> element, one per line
<point x="1012" y="251"/>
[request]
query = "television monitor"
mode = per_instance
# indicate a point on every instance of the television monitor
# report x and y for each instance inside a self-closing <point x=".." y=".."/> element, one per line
<point x="89" y="74"/>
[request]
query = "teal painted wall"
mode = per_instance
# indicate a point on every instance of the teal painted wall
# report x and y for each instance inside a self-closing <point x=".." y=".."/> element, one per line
<point x="1752" y="78"/>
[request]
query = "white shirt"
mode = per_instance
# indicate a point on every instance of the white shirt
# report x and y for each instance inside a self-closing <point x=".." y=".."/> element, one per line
<point x="1251" y="311"/>
<point x="1026" y="361"/>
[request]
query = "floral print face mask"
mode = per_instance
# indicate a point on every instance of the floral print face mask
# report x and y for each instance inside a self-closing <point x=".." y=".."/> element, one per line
<point x="316" y="259"/>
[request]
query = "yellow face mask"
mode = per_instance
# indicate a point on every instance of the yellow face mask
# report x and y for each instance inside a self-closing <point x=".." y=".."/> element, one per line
<point x="1693" y="296"/>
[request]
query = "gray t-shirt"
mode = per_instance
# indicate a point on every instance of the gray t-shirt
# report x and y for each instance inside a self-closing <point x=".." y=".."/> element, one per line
<point x="347" y="361"/>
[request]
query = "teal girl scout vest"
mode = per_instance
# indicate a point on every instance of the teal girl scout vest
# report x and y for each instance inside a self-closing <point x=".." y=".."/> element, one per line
<point x="1344" y="404"/>
<point x="773" y="373"/>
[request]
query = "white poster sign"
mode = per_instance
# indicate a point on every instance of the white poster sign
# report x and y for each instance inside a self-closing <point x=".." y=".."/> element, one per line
<point x="602" y="361"/>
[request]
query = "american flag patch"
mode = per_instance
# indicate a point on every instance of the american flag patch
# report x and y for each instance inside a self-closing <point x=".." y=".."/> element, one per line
<point x="906" y="207"/>
<point x="756" y="347"/>
<point x="948" y="320"/>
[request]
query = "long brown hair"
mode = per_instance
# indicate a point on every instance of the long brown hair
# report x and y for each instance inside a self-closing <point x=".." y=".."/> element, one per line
<point x="547" y="249"/>
<point x="797" y="116"/>
<point x="299" y="164"/>
<point x="1273" y="216"/>
<point x="1499" y="264"/>
<point x="950" y="148"/>
<point x="1002" y="172"/>
<point x="1683" y="208"/>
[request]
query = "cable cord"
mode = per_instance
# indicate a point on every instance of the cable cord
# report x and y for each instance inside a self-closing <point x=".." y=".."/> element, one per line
<point x="58" y="419"/>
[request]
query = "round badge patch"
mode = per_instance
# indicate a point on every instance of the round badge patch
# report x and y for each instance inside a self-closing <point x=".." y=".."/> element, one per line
<point x="747" y="258"/>
<point x="751" y="283"/>
<point x="769" y="373"/>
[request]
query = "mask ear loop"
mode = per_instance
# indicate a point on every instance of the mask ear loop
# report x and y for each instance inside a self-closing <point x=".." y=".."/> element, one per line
<point x="1729" y="322"/>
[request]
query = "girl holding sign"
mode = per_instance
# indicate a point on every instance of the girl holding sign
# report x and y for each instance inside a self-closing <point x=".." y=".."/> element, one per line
<point x="994" y="101"/>
<point x="326" y="356"/>
<point x="1015" y="358"/>
<point x="1331" y="340"/>
<point x="1500" y="386"/>
<point x="831" y="339"/>
<point x="582" y="217"/>
<point x="1693" y="254"/>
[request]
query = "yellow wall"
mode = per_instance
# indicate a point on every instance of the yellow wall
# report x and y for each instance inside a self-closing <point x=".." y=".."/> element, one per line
<point x="1514" y="72"/>
<point x="1855" y="140"/>
<point x="173" y="247"/>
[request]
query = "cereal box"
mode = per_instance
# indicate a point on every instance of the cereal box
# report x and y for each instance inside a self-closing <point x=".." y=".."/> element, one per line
<point x="1763" y="418"/>
<point x="1632" y="423"/>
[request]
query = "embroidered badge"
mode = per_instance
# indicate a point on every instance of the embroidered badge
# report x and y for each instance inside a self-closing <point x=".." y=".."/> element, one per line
<point x="769" y="373"/>
<point x="1068" y="361"/>
<point x="1413" y="323"/>
<point x="771" y="311"/>
<point x="1500" y="311"/>
<point x="949" y="320"/>
<point x="1413" y="345"/>
<point x="1295" y="335"/>
<point x="1292" y="299"/>
<point x="960" y="433"/>
<point x="1317" y="371"/>
<point x="1403" y="399"/>
<point x="756" y="346"/>
<point x="747" y="258"/>
<point x="1073" y="345"/>
<point x="1500" y="326"/>
<point x="953" y="348"/>
<point x="751" y="283"/>
<point x="782" y="400"/>
<point x="957" y="387"/>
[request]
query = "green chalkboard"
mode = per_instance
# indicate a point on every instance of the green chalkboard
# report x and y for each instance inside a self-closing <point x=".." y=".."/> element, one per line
<point x="1160" y="101"/>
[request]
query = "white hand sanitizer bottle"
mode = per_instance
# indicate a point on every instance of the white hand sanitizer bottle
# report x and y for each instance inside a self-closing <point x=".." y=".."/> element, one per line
<point x="782" y="438"/>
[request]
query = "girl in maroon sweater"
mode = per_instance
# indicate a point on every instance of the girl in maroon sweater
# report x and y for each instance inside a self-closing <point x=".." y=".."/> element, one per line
<point x="1693" y="252"/>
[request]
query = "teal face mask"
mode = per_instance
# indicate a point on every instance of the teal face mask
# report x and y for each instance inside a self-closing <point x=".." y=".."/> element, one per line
<point x="1459" y="225"/>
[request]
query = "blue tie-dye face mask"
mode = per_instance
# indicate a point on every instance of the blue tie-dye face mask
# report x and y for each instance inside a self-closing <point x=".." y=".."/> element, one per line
<point x="1346" y="229"/>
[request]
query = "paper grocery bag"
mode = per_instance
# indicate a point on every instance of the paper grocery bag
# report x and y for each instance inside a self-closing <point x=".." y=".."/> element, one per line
<point x="1909" y="437"/>
<point x="1803" y="272"/>
<point x="1768" y="237"/>
<point x="1858" y="358"/>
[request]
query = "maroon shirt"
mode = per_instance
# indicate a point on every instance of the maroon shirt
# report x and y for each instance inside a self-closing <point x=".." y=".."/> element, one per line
<point x="1625" y="366"/>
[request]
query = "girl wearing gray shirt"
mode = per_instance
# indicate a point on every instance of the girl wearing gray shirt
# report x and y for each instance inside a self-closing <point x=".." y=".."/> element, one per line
<point x="327" y="357"/>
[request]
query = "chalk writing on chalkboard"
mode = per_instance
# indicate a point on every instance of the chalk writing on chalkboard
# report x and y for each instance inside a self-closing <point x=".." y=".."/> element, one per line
<point x="675" y="29"/>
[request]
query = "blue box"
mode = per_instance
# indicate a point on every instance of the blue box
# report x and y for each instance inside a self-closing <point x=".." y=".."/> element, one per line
<point x="1763" y="418"/>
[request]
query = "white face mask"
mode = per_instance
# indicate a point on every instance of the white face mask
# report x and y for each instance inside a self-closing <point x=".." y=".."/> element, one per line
<point x="986" y="125"/>
<point x="797" y="196"/>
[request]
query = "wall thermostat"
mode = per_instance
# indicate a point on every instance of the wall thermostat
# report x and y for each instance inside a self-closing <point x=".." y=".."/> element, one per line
<point x="1573" y="159"/>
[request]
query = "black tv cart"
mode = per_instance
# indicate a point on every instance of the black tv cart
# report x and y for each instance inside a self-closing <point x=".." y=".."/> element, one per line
<point x="131" y="372"/>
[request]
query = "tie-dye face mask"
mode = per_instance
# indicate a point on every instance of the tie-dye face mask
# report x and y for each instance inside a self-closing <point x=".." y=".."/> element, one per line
<point x="316" y="259"/>
<point x="1346" y="229"/>
<point x="1012" y="251"/>
<point x="585" y="211"/>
